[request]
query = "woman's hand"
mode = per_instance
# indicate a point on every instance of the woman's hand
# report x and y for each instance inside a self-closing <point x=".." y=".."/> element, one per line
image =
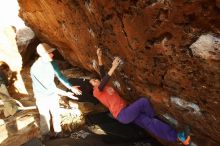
<point x="99" y="54"/>
<point x="116" y="62"/>
<point x="70" y="95"/>
<point x="76" y="90"/>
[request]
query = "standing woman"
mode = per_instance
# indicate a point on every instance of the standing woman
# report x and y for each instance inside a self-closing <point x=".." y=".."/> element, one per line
<point x="45" y="91"/>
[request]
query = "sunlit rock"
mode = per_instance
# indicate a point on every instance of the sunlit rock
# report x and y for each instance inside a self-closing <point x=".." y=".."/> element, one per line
<point x="207" y="47"/>
<point x="26" y="41"/>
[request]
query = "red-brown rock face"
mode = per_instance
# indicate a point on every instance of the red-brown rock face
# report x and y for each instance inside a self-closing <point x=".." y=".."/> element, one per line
<point x="153" y="38"/>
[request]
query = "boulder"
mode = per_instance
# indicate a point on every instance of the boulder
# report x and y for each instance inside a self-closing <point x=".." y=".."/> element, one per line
<point x="207" y="47"/>
<point x="152" y="38"/>
<point x="26" y="42"/>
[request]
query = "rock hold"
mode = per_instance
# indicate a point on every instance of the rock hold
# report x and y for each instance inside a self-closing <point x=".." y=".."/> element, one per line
<point x="207" y="47"/>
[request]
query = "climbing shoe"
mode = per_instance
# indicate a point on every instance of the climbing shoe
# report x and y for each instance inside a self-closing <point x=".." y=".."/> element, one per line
<point x="184" y="136"/>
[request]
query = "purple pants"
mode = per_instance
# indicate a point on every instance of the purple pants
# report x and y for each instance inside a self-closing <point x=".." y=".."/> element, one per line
<point x="142" y="114"/>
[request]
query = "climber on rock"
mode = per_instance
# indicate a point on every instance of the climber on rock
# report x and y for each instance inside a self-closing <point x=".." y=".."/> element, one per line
<point x="45" y="91"/>
<point x="140" y="112"/>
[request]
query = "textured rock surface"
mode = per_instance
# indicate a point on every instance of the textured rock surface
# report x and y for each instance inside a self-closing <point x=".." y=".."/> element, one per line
<point x="11" y="56"/>
<point x="9" y="50"/>
<point x="218" y="3"/>
<point x="153" y="37"/>
<point x="26" y="42"/>
<point x="15" y="131"/>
